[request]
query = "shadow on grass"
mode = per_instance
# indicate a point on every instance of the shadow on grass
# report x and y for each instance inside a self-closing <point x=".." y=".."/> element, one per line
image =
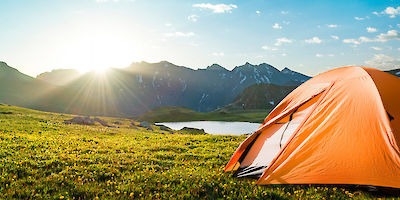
<point x="369" y="190"/>
<point x="373" y="191"/>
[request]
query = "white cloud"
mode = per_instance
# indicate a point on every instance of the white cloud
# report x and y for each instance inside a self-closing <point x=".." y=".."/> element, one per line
<point x="168" y="24"/>
<point x="383" y="37"/>
<point x="351" y="41"/>
<point x="371" y="30"/>
<point x="216" y="8"/>
<point x="390" y="35"/>
<point x="366" y="39"/>
<point x="332" y="25"/>
<point x="376" y="48"/>
<point x="359" y="18"/>
<point x="193" y="18"/>
<point x="179" y="34"/>
<point x="398" y="25"/>
<point x="265" y="47"/>
<point x="280" y="41"/>
<point x="258" y="12"/>
<point x="283" y="12"/>
<point x="104" y="1"/>
<point x="314" y="40"/>
<point x="383" y="62"/>
<point x="277" y="26"/>
<point x="283" y="54"/>
<point x="218" y="54"/>
<point x="391" y="11"/>
<point x="375" y="13"/>
<point x="318" y="55"/>
<point x="286" y="22"/>
<point x="334" y="37"/>
<point x="398" y="49"/>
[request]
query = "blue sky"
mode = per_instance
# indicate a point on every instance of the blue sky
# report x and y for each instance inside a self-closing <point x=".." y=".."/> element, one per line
<point x="306" y="36"/>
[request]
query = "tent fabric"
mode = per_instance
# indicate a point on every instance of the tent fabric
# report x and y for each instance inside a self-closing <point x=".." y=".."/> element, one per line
<point x="269" y="142"/>
<point x="344" y="129"/>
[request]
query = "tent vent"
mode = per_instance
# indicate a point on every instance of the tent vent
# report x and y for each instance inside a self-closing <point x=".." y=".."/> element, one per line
<point x="290" y="120"/>
<point x="390" y="116"/>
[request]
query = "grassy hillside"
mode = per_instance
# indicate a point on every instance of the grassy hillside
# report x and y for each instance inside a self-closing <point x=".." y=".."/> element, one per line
<point x="251" y="105"/>
<point x="178" y="114"/>
<point x="260" y="96"/>
<point x="43" y="158"/>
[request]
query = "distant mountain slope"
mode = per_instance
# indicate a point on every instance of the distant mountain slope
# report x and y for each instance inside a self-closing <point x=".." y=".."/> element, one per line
<point x="395" y="72"/>
<point x="15" y="86"/>
<point x="59" y="76"/>
<point x="137" y="88"/>
<point x="260" y="96"/>
<point x="267" y="96"/>
<point x="296" y="77"/>
<point x="144" y="86"/>
<point x="19" y="89"/>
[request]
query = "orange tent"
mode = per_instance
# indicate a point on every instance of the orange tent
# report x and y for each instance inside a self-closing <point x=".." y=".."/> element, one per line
<point x="340" y="127"/>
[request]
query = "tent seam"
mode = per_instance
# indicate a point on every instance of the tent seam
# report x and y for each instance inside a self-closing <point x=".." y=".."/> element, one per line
<point x="296" y="132"/>
<point x="386" y="116"/>
<point x="263" y="127"/>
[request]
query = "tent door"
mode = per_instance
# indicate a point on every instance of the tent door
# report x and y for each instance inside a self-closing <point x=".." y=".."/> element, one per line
<point x="269" y="143"/>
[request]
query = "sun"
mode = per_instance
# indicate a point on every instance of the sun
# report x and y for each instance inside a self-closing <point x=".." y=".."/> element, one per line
<point x="97" y="42"/>
<point x="101" y="70"/>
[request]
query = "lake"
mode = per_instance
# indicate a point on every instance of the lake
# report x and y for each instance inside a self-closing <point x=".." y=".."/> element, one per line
<point x="216" y="127"/>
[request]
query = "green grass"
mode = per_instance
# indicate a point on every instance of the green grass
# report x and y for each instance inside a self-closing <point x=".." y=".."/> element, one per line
<point x="178" y="114"/>
<point x="42" y="158"/>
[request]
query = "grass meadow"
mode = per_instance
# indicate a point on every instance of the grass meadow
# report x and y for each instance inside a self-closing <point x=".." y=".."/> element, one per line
<point x="43" y="158"/>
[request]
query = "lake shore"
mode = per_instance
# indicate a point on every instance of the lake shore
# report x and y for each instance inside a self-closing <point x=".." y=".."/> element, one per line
<point x="182" y="114"/>
<point x="216" y="127"/>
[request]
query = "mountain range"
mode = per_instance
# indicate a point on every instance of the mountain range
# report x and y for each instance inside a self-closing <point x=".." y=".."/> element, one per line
<point x="59" y="76"/>
<point x="143" y="86"/>
<point x="22" y="90"/>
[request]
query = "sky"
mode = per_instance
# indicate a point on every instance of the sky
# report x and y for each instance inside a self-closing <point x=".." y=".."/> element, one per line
<point x="306" y="36"/>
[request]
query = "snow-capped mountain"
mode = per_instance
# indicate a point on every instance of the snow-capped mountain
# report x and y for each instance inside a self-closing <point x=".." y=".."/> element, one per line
<point x="143" y="86"/>
<point x="137" y="88"/>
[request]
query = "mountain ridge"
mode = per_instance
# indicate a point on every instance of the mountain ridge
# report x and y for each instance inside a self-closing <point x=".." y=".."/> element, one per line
<point x="140" y="87"/>
<point x="59" y="76"/>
